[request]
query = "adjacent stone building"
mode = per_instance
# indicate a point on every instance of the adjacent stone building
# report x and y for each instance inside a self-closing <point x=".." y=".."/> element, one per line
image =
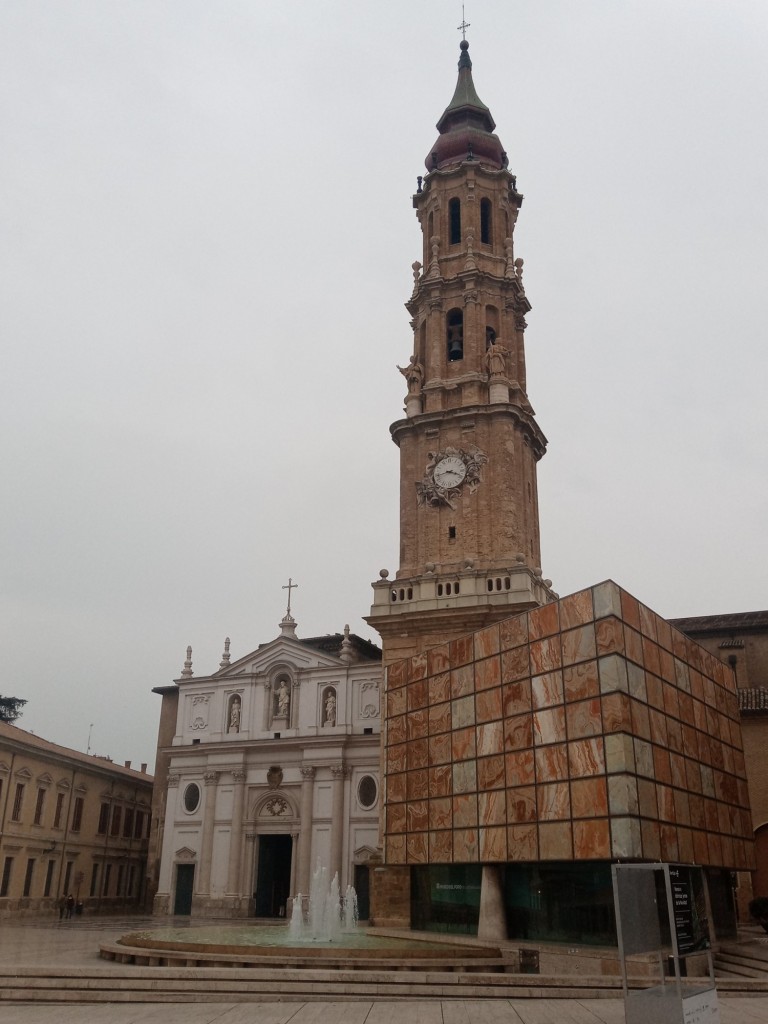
<point x="70" y="823"/>
<point x="270" y="764"/>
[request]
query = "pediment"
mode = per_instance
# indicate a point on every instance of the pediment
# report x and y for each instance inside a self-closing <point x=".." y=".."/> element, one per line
<point x="4" y="766"/>
<point x="185" y="854"/>
<point x="368" y="855"/>
<point x="45" y="779"/>
<point x="282" y="651"/>
<point x="24" y="773"/>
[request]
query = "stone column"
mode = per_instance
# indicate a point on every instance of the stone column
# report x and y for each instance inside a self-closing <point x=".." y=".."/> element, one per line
<point x="233" y="871"/>
<point x="339" y="773"/>
<point x="492" y="924"/>
<point x="294" y="865"/>
<point x="206" y="846"/>
<point x="305" y="836"/>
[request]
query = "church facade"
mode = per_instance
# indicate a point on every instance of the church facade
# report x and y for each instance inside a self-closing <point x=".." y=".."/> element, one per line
<point x="271" y="765"/>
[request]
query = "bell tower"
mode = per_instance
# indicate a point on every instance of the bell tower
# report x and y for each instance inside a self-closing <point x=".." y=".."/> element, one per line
<point x="469" y="443"/>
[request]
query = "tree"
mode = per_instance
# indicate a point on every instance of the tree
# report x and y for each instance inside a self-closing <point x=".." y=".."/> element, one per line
<point x="10" y="708"/>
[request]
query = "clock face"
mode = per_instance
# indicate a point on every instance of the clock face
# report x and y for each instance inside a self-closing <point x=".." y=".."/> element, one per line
<point x="450" y="472"/>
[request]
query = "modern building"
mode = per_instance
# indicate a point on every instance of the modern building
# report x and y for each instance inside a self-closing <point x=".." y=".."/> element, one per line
<point x="270" y="764"/>
<point x="70" y="823"/>
<point x="528" y="741"/>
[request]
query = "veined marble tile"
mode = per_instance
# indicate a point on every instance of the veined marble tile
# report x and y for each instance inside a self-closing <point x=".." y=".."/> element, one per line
<point x="417" y="816"/>
<point x="589" y="798"/>
<point x="396" y="788"/>
<point x="465" y="846"/>
<point x="417" y="724"/>
<point x="440" y="813"/>
<point x="576" y="609"/>
<point x="439" y="659"/>
<point x="490" y="739"/>
<point x="486" y="641"/>
<point x="583" y="718"/>
<point x="463" y="712"/>
<point x="521" y="804"/>
<point x="650" y="834"/>
<point x="441" y="847"/>
<point x="622" y="795"/>
<point x="463" y="744"/>
<point x="586" y="757"/>
<point x="625" y="837"/>
<point x="555" y="840"/>
<point x="488" y="705"/>
<point x="492" y="808"/>
<point x="552" y="763"/>
<point x="417" y="785"/>
<point x="553" y="801"/>
<point x="549" y="726"/>
<point x="440" y="718"/>
<point x="609" y="636"/>
<point x="619" y="753"/>
<point x="544" y="621"/>
<point x="513" y="632"/>
<point x="417" y="848"/>
<point x="418" y="754"/>
<point x="440" y="780"/>
<point x="490" y="772"/>
<point x="613" y="674"/>
<point x="581" y="681"/>
<point x="547" y="690"/>
<point x="488" y="673"/>
<point x="465" y="810"/>
<point x="439" y="687"/>
<point x="516" y="697"/>
<point x="591" y="839"/>
<point x="463" y="681"/>
<point x="417" y="667"/>
<point x="493" y="845"/>
<point x="522" y="842"/>
<point x="578" y="645"/>
<point x="515" y="664"/>
<point x="545" y="655"/>
<point x="395" y="849"/>
<point x="520" y="768"/>
<point x="464" y="777"/>
<point x="616" y="712"/>
<point x="630" y="610"/>
<point x="607" y="599"/>
<point x="461" y="650"/>
<point x="518" y="732"/>
<point x="440" y="748"/>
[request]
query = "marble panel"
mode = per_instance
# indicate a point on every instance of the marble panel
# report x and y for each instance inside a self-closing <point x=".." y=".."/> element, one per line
<point x="418" y="754"/>
<point x="555" y="840"/>
<point x="545" y="654"/>
<point x="633" y="646"/>
<point x="648" y="622"/>
<point x="439" y="717"/>
<point x="552" y="763"/>
<point x="674" y="735"/>
<point x="655" y="690"/>
<point x="396" y="730"/>
<point x="465" y="810"/>
<point x="465" y="777"/>
<point x="671" y="700"/>
<point x="630" y="610"/>
<point x="492" y="807"/>
<point x="609" y="636"/>
<point x="397" y="702"/>
<point x="650" y="832"/>
<point x="518" y="732"/>
<point x="622" y="795"/>
<point x="439" y="688"/>
<point x="440" y="847"/>
<point x="440" y="780"/>
<point x="665" y="797"/>
<point x="547" y="690"/>
<point x="691" y="744"/>
<point x="396" y="758"/>
<point x="521" y="804"/>
<point x="440" y="748"/>
<point x="396" y="788"/>
<point x="513" y="632"/>
<point x="666" y="666"/>
<point x="465" y="846"/>
<point x="488" y="705"/>
<point x="677" y="769"/>
<point x="463" y="744"/>
<point x="417" y="724"/>
<point x="591" y="839"/>
<point x="711" y="815"/>
<point x="669" y="848"/>
<point x="463" y="681"/>
<point x="417" y="785"/>
<point x="489" y="739"/>
<point x="553" y="801"/>
<point x="641" y="724"/>
<point x="544" y="621"/>
<point x="490" y="772"/>
<point x="418" y="694"/>
<point x="682" y="677"/>
<point x="397" y="674"/>
<point x="663" y="633"/>
<point x="517" y="697"/>
<point x="616" y="712"/>
<point x="417" y="816"/>
<point x="657" y="721"/>
<point x="644" y="758"/>
<point x="700" y="847"/>
<point x="438" y="660"/>
<point x="693" y="776"/>
<point x="583" y="718"/>
<point x="578" y="645"/>
<point x="607" y="599"/>
<point x="679" y="647"/>
<point x="696" y="684"/>
<point x="662" y="765"/>
<point x="515" y="664"/>
<point x="576" y="609"/>
<point x="636" y="679"/>
<point x="522" y="842"/>
<point x="646" y="798"/>
<point x="723" y="818"/>
<point x="440" y="813"/>
<point x="651" y="658"/>
<point x="417" y="667"/>
<point x="395" y="818"/>
<point x="462" y="712"/>
<point x="396" y="849"/>
<point x="488" y="673"/>
<point x="461" y="650"/>
<point x="715" y="848"/>
<point x="613" y="674"/>
<point x="581" y="681"/>
<point x="417" y="848"/>
<point x="619" y="753"/>
<point x="520" y="768"/>
<point x="727" y="845"/>
<point x="589" y="798"/>
<point x="549" y="726"/>
<point x="586" y="757"/>
<point x="625" y="838"/>
<point x="493" y="845"/>
<point x="486" y="641"/>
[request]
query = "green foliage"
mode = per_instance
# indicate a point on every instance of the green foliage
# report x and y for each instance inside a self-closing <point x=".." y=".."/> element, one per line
<point x="10" y="708"/>
<point x="758" y="908"/>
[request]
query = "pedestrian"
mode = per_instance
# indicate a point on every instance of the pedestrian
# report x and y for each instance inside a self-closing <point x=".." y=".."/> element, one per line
<point x="70" y="904"/>
<point x="62" y="903"/>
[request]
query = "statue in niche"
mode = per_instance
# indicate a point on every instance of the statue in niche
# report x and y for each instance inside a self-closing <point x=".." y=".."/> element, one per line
<point x="496" y="358"/>
<point x="234" y="716"/>
<point x="329" y="712"/>
<point x="283" y="700"/>
<point x="414" y="375"/>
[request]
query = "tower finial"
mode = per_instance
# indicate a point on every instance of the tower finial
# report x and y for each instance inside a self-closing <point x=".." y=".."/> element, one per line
<point x="290" y="585"/>
<point x="463" y="26"/>
<point x="225" y="656"/>
<point x="187" y="670"/>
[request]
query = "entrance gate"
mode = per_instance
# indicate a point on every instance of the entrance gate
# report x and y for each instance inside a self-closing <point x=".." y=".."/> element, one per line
<point x="185" y="880"/>
<point x="273" y="876"/>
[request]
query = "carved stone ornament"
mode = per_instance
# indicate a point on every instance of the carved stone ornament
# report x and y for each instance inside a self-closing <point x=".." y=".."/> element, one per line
<point x="369" y="700"/>
<point x="200" y="712"/>
<point x="447" y="472"/>
<point x="274" y="777"/>
<point x="276" y="806"/>
<point x="173" y="781"/>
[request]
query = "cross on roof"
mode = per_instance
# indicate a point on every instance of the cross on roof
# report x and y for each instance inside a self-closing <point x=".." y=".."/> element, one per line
<point x="464" y="24"/>
<point x="289" y="586"/>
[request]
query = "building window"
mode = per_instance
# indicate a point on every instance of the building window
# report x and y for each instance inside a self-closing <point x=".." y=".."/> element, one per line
<point x="94" y="879"/>
<point x="28" y="877"/>
<point x="191" y="798"/>
<point x="138" y="828"/>
<point x="103" y="819"/>
<point x="59" y="810"/>
<point x="485" y="221"/>
<point x="49" y="877"/>
<point x="367" y="791"/>
<point x="107" y="874"/>
<point x="128" y="823"/>
<point x="131" y="880"/>
<point x="77" y="814"/>
<point x="454" y="221"/>
<point x="455" y="334"/>
<point x="117" y="813"/>
<point x="17" y="802"/>
<point x="120" y="874"/>
<point x="6" y="880"/>
<point x="39" y="806"/>
<point x="68" y="876"/>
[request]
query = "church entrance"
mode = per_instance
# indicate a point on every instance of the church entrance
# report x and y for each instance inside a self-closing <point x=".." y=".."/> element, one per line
<point x="185" y="880"/>
<point x="273" y="876"/>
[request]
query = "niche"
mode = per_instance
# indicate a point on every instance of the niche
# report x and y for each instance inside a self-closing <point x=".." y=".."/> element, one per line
<point x="455" y="334"/>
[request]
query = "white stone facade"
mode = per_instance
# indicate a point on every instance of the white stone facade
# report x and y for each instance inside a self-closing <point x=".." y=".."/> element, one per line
<point x="274" y="765"/>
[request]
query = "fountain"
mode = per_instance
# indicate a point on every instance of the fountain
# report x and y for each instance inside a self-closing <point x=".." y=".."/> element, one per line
<point x="325" y="910"/>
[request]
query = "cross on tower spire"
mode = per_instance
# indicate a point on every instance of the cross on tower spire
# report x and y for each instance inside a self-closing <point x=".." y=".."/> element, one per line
<point x="464" y="24"/>
<point x="289" y="586"/>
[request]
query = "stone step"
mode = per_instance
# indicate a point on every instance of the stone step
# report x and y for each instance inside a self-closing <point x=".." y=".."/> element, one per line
<point x="744" y="967"/>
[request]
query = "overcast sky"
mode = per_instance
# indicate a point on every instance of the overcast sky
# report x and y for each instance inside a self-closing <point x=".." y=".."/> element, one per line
<point x="205" y="248"/>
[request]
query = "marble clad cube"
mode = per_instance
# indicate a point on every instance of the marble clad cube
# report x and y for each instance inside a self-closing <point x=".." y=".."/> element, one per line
<point x="586" y="729"/>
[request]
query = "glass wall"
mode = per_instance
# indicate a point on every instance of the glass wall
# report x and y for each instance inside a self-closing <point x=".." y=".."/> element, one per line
<point x="446" y="898"/>
<point x="560" y="902"/>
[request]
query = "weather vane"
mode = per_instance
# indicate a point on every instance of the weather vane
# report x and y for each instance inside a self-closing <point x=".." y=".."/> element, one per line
<point x="464" y="24"/>
<point x="289" y="587"/>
